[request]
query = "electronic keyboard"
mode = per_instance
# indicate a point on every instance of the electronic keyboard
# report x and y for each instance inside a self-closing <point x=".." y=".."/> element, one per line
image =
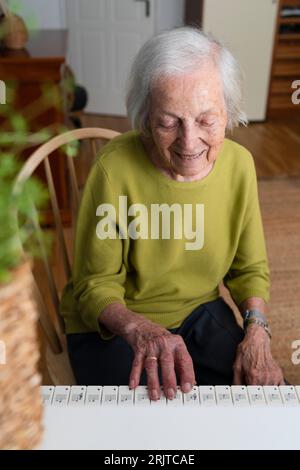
<point x="208" y="417"/>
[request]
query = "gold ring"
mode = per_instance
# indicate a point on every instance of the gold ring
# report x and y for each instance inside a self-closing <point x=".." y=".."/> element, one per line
<point x="152" y="357"/>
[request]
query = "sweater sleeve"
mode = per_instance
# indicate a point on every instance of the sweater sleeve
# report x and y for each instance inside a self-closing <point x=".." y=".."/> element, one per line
<point x="249" y="274"/>
<point x="98" y="271"/>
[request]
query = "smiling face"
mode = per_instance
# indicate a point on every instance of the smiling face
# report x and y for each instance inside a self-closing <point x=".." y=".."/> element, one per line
<point x="187" y="122"/>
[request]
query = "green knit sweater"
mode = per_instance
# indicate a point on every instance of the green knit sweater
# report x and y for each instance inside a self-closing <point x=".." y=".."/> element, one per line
<point x="159" y="246"/>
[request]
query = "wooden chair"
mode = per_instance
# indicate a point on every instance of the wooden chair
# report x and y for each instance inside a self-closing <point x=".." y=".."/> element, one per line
<point x="52" y="325"/>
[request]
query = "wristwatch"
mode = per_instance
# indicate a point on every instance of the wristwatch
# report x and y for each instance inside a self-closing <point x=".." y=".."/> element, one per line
<point x="255" y="316"/>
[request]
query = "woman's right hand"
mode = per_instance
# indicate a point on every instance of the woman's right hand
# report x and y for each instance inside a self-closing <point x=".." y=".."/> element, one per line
<point x="155" y="346"/>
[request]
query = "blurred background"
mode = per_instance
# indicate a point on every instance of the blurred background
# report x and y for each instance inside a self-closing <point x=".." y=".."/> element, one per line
<point x="66" y="68"/>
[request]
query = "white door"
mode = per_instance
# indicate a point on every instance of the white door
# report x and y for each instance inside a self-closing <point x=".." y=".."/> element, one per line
<point x="105" y="35"/>
<point x="248" y="29"/>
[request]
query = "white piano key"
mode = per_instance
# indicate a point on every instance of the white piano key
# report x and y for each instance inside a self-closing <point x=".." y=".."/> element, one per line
<point x="61" y="395"/>
<point x="191" y="398"/>
<point x="240" y="395"/>
<point x="289" y="395"/>
<point x="77" y="395"/>
<point x="125" y="396"/>
<point x="207" y="395"/>
<point x="162" y="399"/>
<point x="297" y="388"/>
<point x="256" y="395"/>
<point x="223" y="395"/>
<point x="272" y="395"/>
<point x="141" y="395"/>
<point x="109" y="395"/>
<point x="93" y="395"/>
<point x="47" y="392"/>
<point x="177" y="400"/>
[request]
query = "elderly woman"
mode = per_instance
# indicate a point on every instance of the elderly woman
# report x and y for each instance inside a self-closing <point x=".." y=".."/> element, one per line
<point x="169" y="211"/>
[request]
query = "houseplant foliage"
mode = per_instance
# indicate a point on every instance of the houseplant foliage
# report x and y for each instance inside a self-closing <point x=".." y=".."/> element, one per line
<point x="16" y="203"/>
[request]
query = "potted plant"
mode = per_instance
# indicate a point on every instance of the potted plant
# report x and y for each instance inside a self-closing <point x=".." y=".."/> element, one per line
<point x="20" y="403"/>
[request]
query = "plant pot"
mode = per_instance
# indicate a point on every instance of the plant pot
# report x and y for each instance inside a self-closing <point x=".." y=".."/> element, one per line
<point x="20" y="404"/>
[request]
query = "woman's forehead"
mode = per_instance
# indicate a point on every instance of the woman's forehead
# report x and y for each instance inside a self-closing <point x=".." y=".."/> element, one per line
<point x="204" y="78"/>
<point x="171" y="94"/>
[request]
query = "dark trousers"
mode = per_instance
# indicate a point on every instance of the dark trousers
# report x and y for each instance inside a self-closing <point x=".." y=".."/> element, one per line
<point x="210" y="333"/>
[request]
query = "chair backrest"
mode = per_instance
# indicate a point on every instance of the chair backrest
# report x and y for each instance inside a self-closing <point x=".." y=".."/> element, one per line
<point x="53" y="325"/>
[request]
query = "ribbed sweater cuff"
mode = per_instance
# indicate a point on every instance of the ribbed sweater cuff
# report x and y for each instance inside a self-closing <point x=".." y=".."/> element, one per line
<point x="252" y="292"/>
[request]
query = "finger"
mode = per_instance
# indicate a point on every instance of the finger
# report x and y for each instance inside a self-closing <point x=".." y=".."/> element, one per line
<point x="151" y="366"/>
<point x="282" y="381"/>
<point x="237" y="372"/>
<point x="185" y="368"/>
<point x="273" y="377"/>
<point x="136" y="370"/>
<point x="168" y="374"/>
<point x="278" y="378"/>
<point x="254" y="377"/>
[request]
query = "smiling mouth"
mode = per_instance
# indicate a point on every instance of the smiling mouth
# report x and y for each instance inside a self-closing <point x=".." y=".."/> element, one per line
<point x="184" y="156"/>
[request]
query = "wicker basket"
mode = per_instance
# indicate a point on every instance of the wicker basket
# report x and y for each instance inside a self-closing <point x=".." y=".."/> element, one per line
<point x="20" y="403"/>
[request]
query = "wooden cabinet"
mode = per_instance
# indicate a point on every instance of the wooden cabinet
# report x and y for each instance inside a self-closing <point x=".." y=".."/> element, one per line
<point x="27" y="72"/>
<point x="286" y="60"/>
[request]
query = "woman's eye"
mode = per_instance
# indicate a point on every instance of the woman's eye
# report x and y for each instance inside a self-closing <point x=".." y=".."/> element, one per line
<point x="206" y="123"/>
<point x="168" y="125"/>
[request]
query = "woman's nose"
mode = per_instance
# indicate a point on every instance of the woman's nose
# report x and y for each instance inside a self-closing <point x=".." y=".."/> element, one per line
<point x="189" y="138"/>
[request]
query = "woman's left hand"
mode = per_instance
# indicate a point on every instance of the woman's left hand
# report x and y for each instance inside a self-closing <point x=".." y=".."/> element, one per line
<point x="254" y="364"/>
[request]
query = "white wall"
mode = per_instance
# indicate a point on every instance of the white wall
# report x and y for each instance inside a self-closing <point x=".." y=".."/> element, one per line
<point x="250" y="36"/>
<point x="42" y="14"/>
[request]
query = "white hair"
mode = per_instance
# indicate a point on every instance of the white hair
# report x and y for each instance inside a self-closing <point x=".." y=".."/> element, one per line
<point x="176" y="52"/>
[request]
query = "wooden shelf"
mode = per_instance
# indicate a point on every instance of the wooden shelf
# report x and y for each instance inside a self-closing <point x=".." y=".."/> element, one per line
<point x="286" y="51"/>
<point x="289" y="37"/>
<point x="286" y="62"/>
<point x="287" y="68"/>
<point x="280" y="86"/>
<point x="290" y="20"/>
<point x="289" y="3"/>
<point x="282" y="102"/>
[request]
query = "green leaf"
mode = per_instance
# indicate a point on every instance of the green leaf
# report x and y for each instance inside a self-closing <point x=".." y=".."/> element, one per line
<point x="18" y="232"/>
<point x="18" y="123"/>
<point x="8" y="166"/>
<point x="71" y="149"/>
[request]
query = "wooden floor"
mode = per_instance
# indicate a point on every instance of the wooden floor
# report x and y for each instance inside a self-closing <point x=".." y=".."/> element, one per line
<point x="276" y="149"/>
<point x="275" y="145"/>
